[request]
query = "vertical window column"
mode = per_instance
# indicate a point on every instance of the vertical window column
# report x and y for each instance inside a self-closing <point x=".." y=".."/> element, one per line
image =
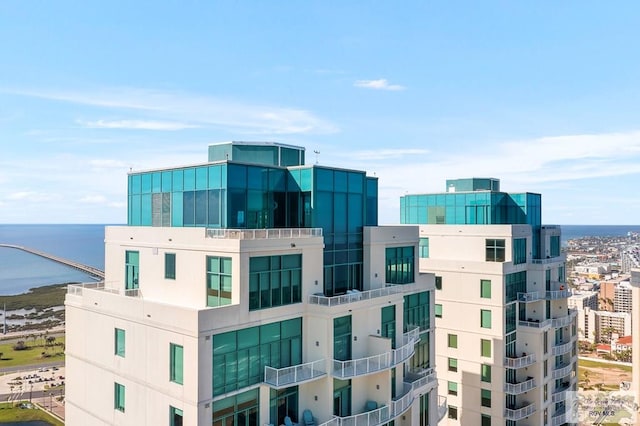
<point x="218" y="281"/>
<point x="119" y="342"/>
<point x="118" y="396"/>
<point x="176" y="359"/>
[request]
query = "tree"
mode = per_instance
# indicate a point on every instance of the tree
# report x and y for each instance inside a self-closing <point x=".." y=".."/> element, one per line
<point x="1" y="355"/>
<point x="19" y="346"/>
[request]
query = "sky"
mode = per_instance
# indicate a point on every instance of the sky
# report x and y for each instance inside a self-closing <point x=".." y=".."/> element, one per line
<point x="542" y="95"/>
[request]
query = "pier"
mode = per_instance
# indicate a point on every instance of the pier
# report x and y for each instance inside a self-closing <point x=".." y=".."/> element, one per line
<point x="89" y="270"/>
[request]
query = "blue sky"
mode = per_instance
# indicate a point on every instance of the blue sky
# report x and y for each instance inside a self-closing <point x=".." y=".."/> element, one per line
<point x="542" y="95"/>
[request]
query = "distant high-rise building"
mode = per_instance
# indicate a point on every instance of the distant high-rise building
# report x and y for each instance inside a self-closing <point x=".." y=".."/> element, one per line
<point x="506" y="341"/>
<point x="254" y="290"/>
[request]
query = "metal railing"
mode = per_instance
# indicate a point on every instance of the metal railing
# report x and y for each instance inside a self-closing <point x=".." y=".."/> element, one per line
<point x="529" y="297"/>
<point x="565" y="320"/>
<point x="561" y="348"/>
<point x="419" y="381"/>
<point x="403" y="402"/>
<point x="560" y="372"/>
<point x="561" y="258"/>
<point x="557" y="294"/>
<point x="535" y="324"/>
<point x="442" y="407"/>
<point x="79" y="289"/>
<point x="559" y="418"/>
<point x="523" y="361"/>
<point x="559" y="396"/>
<point x="372" y="418"/>
<point x="374" y="363"/>
<point x="354" y="296"/>
<point x="255" y="234"/>
<point x="283" y="377"/>
<point x="518" y="388"/>
<point x="519" y="413"/>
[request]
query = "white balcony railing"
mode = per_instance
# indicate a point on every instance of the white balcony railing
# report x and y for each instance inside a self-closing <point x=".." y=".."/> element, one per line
<point x="560" y="372"/>
<point x="442" y="407"/>
<point x="375" y="363"/>
<point x="403" y="402"/>
<point x="520" y="413"/>
<point x="561" y="258"/>
<point x="288" y="376"/>
<point x="353" y="296"/>
<point x="529" y="297"/>
<point x="371" y="418"/>
<point x="565" y="320"/>
<point x="535" y="323"/>
<point x="421" y="383"/>
<point x="559" y="418"/>
<point x="557" y="294"/>
<point x="559" y="396"/>
<point x="256" y="234"/>
<point x="79" y="289"/>
<point x="523" y="361"/>
<point x="562" y="348"/>
<point x="518" y="388"/>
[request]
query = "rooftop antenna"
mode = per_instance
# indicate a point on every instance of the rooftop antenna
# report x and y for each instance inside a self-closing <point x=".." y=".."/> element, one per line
<point x="315" y="151"/>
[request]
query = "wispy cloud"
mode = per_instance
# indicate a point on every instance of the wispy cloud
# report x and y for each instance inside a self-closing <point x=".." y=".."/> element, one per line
<point x="194" y="110"/>
<point x="380" y="84"/>
<point x="137" y="125"/>
<point x="32" y="196"/>
<point x="385" y="154"/>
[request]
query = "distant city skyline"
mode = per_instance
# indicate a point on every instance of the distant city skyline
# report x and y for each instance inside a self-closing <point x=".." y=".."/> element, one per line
<point x="542" y="96"/>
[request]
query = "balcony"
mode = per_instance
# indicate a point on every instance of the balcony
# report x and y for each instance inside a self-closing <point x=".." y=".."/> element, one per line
<point x="516" y="414"/>
<point x="565" y="320"/>
<point x="354" y="296"/>
<point x="559" y="397"/>
<point x="403" y="402"/>
<point x="258" y="234"/>
<point x="442" y="407"/>
<point x="561" y="258"/>
<point x="562" y="348"/>
<point x="561" y="371"/>
<point x="523" y="361"/>
<point x="532" y="296"/>
<point x="279" y="378"/>
<point x="556" y="294"/>
<point x="421" y="382"/>
<point x="563" y="388"/>
<point x="373" y="364"/>
<point x="559" y="418"/>
<point x="535" y="323"/>
<point x="79" y="289"/>
<point x="521" y="387"/>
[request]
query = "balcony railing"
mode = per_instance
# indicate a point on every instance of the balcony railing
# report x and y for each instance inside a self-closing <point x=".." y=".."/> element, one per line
<point x="518" y="388"/>
<point x="523" y="361"/>
<point x="519" y="413"/>
<point x="559" y="396"/>
<point x="421" y="381"/>
<point x="529" y="297"/>
<point x="561" y="258"/>
<point x="354" y="296"/>
<point x="565" y="320"/>
<point x="535" y="323"/>
<point x="258" y="234"/>
<point x="375" y="363"/>
<point x="564" y="386"/>
<point x="557" y="294"/>
<point x="561" y="371"/>
<point x="288" y="376"/>
<point x="373" y="418"/>
<point x="559" y="418"/>
<point x="562" y="348"/>
<point x="403" y="402"/>
<point x="79" y="289"/>
<point x="442" y="407"/>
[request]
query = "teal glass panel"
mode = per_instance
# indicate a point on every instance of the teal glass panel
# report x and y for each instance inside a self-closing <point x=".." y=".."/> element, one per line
<point x="176" y="361"/>
<point x="215" y="177"/>
<point x="132" y="270"/>
<point x="170" y="266"/>
<point x="135" y="184"/>
<point x="175" y="416"/>
<point x="189" y="208"/>
<point x="388" y="324"/>
<point x="189" y="181"/>
<point x="277" y="180"/>
<point x="118" y="397"/>
<point x="219" y="281"/>
<point x="342" y="338"/>
<point x="177" y="209"/>
<point x="306" y="179"/>
<point x="156" y="182"/>
<point x="146" y="183"/>
<point x="423" y="247"/>
<point x="166" y="181"/>
<point x="177" y="181"/>
<point x="513" y="284"/>
<point x="201" y="205"/>
<point x="135" y="208"/>
<point x="146" y="210"/>
<point x="356" y="183"/>
<point x="519" y="251"/>
<point x="417" y="311"/>
<point x="340" y="181"/>
<point x="323" y="179"/>
<point x="400" y="263"/>
<point x="119" y="342"/>
<point x="237" y="176"/>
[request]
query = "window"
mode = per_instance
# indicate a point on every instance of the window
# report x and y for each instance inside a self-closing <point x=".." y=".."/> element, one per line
<point x="555" y="245"/>
<point x="514" y="283"/>
<point x="545" y="367"/>
<point x="132" y="269"/>
<point x="282" y="403"/>
<point x="485" y="348"/>
<point x="438" y="283"/>
<point x="485" y="397"/>
<point x="118" y="397"/>
<point x="453" y="412"/>
<point x="453" y="340"/>
<point x="519" y="251"/>
<point x="438" y="309"/>
<point x="241" y="409"/>
<point x="119" y="342"/>
<point x="452" y="388"/>
<point x="218" y="281"/>
<point x="485" y="318"/>
<point x="494" y="250"/>
<point x="485" y="289"/>
<point x="485" y="373"/>
<point x="399" y="265"/>
<point x="275" y="281"/>
<point x="416" y="311"/>
<point x="453" y="364"/>
<point x="485" y="420"/>
<point x="175" y="416"/>
<point x="170" y="266"/>
<point x="423" y="247"/>
<point x="176" y="359"/>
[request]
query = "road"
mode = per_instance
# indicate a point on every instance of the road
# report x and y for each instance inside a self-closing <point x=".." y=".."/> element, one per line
<point x="17" y="368"/>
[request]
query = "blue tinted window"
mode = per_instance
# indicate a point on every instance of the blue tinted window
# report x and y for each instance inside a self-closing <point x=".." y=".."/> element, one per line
<point x="189" y="179"/>
<point x="166" y="181"/>
<point x="215" y="177"/>
<point x="146" y="183"/>
<point x="156" y="182"/>
<point x="201" y="178"/>
<point x="178" y="178"/>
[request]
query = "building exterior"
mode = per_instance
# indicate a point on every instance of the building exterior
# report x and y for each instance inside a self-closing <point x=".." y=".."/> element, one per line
<point x="630" y="259"/>
<point x="623" y="299"/>
<point x="635" y="344"/>
<point x="506" y="342"/>
<point x="253" y="290"/>
<point x="583" y="302"/>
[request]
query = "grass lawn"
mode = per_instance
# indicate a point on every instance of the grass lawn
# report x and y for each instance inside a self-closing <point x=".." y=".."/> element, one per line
<point x="598" y="364"/>
<point x="32" y="355"/>
<point x="11" y="413"/>
<point x="36" y="298"/>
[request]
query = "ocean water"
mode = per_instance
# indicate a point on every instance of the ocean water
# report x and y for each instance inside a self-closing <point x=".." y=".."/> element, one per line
<point x="20" y="271"/>
<point x="570" y="232"/>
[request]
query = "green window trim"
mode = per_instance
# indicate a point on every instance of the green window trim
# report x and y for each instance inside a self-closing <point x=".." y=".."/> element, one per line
<point x="452" y="388"/>
<point x="453" y="364"/>
<point x="485" y="348"/>
<point x="119" y="342"/>
<point x="485" y="373"/>
<point x="132" y="270"/>
<point x="275" y="281"/>
<point x="219" y="282"/>
<point x="176" y="363"/>
<point x="170" y="266"/>
<point x="118" y="396"/>
<point x="485" y="398"/>
<point x="175" y="416"/>
<point x="423" y="248"/>
<point x="438" y="310"/>
<point x="452" y="340"/>
<point x="485" y="289"/>
<point x="400" y="263"/>
<point x="485" y="318"/>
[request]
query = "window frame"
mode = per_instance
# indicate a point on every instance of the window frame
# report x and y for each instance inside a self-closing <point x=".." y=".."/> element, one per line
<point x="452" y="341"/>
<point x="176" y="363"/>
<point x="485" y="401"/>
<point x="119" y="397"/>
<point x="485" y="289"/>
<point x="119" y="344"/>
<point x="485" y="348"/>
<point x="437" y="310"/>
<point x="452" y="364"/>
<point x="169" y="266"/>
<point x="485" y="318"/>
<point x="495" y="250"/>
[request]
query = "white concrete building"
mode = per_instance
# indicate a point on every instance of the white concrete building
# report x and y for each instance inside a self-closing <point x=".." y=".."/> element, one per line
<point x="205" y="318"/>
<point x="506" y="341"/>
